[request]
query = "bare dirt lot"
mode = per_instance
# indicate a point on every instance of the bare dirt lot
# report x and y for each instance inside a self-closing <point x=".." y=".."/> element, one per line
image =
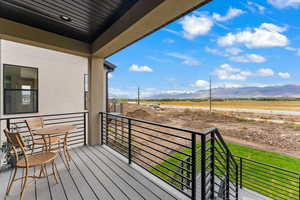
<point x="277" y="133"/>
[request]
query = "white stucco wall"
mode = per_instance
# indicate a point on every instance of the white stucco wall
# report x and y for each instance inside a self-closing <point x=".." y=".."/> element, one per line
<point x="60" y="75"/>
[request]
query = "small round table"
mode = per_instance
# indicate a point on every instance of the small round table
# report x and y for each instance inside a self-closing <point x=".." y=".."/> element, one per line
<point x="54" y="130"/>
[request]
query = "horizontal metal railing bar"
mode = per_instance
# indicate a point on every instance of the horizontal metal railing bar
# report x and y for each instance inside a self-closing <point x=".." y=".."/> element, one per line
<point x="219" y="137"/>
<point x="51" y="119"/>
<point x="188" y="171"/>
<point x="167" y="168"/>
<point x="156" y="124"/>
<point x="63" y="122"/>
<point x="161" y="145"/>
<point x="120" y="147"/>
<point x="46" y="124"/>
<point x="233" y="169"/>
<point x="182" y="168"/>
<point x="267" y="192"/>
<point x="159" y="151"/>
<point x="162" y="132"/>
<point x="233" y="172"/>
<point x="162" y="139"/>
<point x="268" y="180"/>
<point x="63" y="118"/>
<point x="47" y="115"/>
<point x="230" y="163"/>
<point x="162" y="173"/>
<point x="231" y="175"/>
<point x="113" y="129"/>
<point x="158" y="131"/>
<point x="188" y="195"/>
<point x="264" y="181"/>
<point x="274" y="170"/>
<point x="208" y="156"/>
<point x="261" y="172"/>
<point x="281" y="169"/>
<point x="271" y="187"/>
<point x="75" y="124"/>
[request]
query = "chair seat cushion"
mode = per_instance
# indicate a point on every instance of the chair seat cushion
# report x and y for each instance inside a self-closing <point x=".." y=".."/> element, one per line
<point x="53" y="139"/>
<point x="37" y="159"/>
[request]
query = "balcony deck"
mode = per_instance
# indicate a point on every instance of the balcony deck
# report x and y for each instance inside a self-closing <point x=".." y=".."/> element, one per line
<point x="95" y="173"/>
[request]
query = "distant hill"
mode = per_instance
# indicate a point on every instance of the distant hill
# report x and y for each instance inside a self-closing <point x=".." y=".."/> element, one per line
<point x="292" y="90"/>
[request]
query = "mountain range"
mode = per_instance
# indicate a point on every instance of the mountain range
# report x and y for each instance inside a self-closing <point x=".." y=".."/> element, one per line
<point x="291" y="91"/>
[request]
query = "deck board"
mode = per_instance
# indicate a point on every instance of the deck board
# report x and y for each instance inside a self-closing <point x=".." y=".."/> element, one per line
<point x="151" y="186"/>
<point x="96" y="174"/>
<point x="120" y="172"/>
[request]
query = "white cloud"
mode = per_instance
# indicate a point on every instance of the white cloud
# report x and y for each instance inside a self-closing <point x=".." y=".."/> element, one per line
<point x="233" y="51"/>
<point x="267" y="35"/>
<point x="249" y="58"/>
<point x="171" y="31"/>
<point x="296" y="50"/>
<point x="201" y="83"/>
<point x="284" y="75"/>
<point x="136" y="68"/>
<point x="227" y="52"/>
<point x="214" y="51"/>
<point x="187" y="60"/>
<point x="253" y="6"/>
<point x="231" y="13"/>
<point x="194" y="26"/>
<point x="109" y="75"/>
<point x="168" y="40"/>
<point x="265" y="72"/>
<point x="285" y="3"/>
<point x="227" y="72"/>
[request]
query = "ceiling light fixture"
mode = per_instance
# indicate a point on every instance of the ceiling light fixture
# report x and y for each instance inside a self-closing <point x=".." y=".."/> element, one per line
<point x="65" y="18"/>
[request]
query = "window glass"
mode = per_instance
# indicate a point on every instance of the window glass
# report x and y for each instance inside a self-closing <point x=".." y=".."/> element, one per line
<point x="20" y="89"/>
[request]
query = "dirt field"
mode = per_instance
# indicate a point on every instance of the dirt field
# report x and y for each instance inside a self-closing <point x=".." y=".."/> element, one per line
<point x="241" y="104"/>
<point x="256" y="130"/>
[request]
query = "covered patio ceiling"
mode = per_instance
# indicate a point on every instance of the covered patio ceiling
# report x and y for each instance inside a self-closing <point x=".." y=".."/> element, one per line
<point x="87" y="27"/>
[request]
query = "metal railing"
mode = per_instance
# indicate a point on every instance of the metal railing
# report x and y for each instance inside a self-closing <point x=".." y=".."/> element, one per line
<point x="268" y="180"/>
<point x="185" y="159"/>
<point x="75" y="138"/>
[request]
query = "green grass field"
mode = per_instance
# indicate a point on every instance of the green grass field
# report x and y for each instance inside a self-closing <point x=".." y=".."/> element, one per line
<point x="275" y="159"/>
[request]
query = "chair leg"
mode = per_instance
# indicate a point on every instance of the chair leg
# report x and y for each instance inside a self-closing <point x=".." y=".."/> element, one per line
<point x="24" y="184"/>
<point x="54" y="172"/>
<point x="32" y="150"/>
<point x="12" y="181"/>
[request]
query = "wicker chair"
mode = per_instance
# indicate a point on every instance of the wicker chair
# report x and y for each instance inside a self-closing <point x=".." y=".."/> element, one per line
<point x="29" y="161"/>
<point x="37" y="123"/>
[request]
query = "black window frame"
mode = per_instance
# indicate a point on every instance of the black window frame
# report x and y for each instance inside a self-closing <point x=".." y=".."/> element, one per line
<point x="35" y="90"/>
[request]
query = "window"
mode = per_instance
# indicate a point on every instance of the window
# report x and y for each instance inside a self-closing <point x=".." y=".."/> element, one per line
<point x="20" y="89"/>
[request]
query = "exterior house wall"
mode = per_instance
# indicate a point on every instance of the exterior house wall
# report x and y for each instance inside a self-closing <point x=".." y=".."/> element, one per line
<point x="60" y="78"/>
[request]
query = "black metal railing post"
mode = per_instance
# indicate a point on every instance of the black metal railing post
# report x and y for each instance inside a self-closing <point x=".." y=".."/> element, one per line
<point x="102" y="132"/>
<point x="236" y="181"/>
<point x="241" y="173"/>
<point x="203" y="164"/>
<point x="84" y="129"/>
<point x="194" y="164"/>
<point x="8" y="124"/>
<point x="106" y="129"/>
<point x="212" y="162"/>
<point x="129" y="142"/>
<point x="227" y="175"/>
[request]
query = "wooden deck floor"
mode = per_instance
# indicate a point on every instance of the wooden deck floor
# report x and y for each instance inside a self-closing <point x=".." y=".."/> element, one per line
<point x="95" y="174"/>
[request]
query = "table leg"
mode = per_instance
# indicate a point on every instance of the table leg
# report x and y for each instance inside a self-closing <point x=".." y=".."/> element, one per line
<point x="66" y="151"/>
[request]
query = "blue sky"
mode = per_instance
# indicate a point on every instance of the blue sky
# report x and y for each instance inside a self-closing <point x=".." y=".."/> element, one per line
<point x="237" y="43"/>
